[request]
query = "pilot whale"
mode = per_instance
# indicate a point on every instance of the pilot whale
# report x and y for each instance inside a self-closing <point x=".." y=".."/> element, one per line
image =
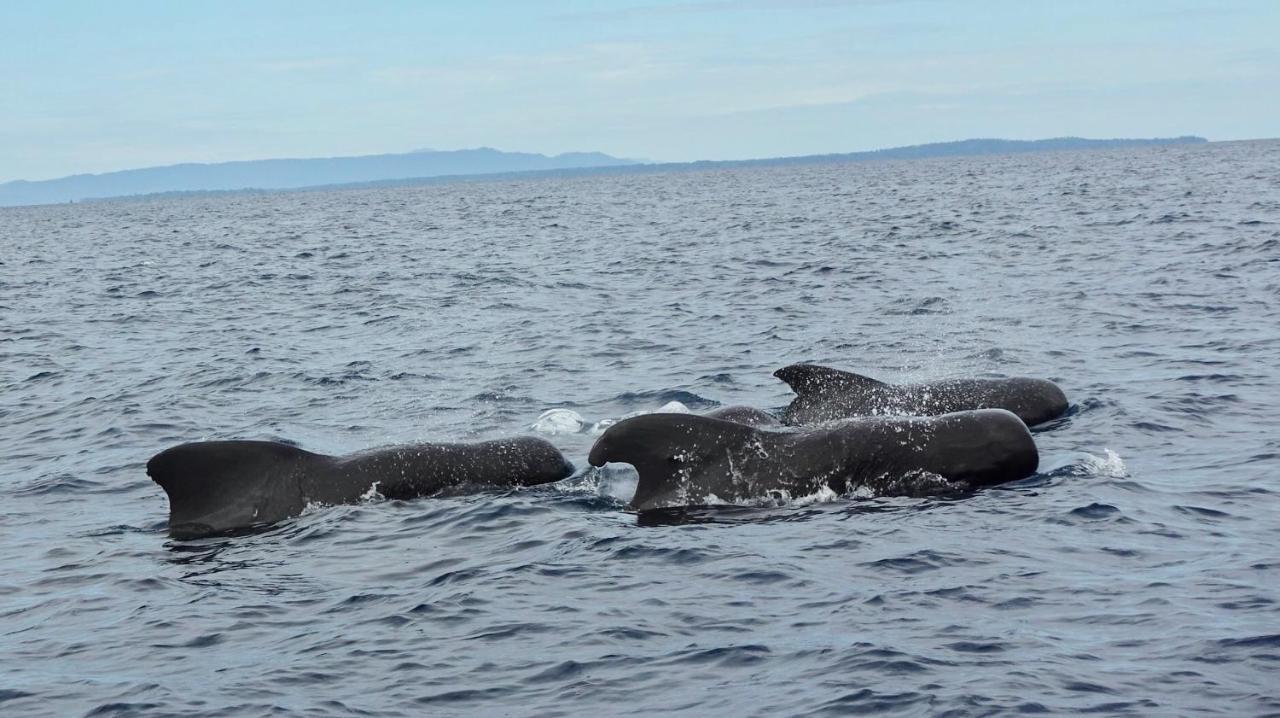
<point x="221" y="486"/>
<point x="686" y="460"/>
<point x="826" y="394"/>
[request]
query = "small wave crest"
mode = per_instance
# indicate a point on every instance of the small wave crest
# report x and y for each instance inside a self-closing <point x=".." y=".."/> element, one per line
<point x="615" y="482"/>
<point x="1109" y="466"/>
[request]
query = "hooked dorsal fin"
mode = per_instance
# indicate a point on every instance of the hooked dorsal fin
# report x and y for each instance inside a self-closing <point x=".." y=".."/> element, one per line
<point x="672" y="453"/>
<point x="210" y="478"/>
<point x="658" y="435"/>
<point x="813" y="378"/>
<point x="188" y="468"/>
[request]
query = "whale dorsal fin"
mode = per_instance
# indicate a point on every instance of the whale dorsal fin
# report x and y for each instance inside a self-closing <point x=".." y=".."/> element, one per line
<point x="813" y="378"/>
<point x="191" y="467"/>
<point x="680" y="458"/>
<point x="207" y="478"/>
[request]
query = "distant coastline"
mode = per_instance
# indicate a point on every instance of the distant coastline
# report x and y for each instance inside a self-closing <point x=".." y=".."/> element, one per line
<point x="431" y="167"/>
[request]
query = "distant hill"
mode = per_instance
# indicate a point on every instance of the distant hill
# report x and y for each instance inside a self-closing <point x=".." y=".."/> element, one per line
<point x="429" y="167"/>
<point x="291" y="173"/>
<point x="991" y="147"/>
<point x="959" y="148"/>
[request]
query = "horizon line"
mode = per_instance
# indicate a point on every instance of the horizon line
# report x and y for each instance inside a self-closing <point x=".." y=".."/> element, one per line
<point x="635" y="160"/>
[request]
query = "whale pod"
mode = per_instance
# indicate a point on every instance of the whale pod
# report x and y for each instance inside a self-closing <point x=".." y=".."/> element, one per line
<point x="686" y="460"/>
<point x="826" y="394"/>
<point x="221" y="486"/>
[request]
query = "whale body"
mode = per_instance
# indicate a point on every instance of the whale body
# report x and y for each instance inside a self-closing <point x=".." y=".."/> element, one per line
<point x="222" y="486"/>
<point x="826" y="394"/>
<point x="686" y="460"/>
<point x="742" y="414"/>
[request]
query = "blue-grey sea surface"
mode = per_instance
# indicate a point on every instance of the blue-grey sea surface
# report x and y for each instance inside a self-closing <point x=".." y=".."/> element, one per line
<point x="1137" y="573"/>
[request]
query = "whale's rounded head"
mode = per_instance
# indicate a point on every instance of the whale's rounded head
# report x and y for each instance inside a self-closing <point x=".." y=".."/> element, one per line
<point x="1035" y="401"/>
<point x="537" y="461"/>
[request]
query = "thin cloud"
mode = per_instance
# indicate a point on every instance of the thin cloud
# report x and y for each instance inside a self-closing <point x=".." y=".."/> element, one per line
<point x="723" y="6"/>
<point x="309" y="64"/>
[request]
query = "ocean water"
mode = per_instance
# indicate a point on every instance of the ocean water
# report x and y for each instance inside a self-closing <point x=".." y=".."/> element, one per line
<point x="1136" y="573"/>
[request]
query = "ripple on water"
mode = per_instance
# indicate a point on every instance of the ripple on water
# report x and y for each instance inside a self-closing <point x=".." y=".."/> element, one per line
<point x="1130" y="575"/>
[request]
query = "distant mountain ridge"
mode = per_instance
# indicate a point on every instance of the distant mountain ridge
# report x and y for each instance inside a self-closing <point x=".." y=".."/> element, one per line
<point x="430" y="166"/>
<point x="1000" y="147"/>
<point x="278" y="174"/>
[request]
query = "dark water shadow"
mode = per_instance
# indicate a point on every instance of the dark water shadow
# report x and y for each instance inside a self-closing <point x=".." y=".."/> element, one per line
<point x="731" y="514"/>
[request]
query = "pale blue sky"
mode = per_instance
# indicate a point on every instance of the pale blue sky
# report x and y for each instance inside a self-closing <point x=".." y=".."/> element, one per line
<point x="98" y="86"/>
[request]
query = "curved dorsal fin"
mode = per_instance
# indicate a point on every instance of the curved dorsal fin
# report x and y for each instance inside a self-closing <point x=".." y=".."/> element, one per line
<point x="812" y="378"/>
<point x="208" y="478"/>
<point x="192" y="467"/>
<point x="680" y="458"/>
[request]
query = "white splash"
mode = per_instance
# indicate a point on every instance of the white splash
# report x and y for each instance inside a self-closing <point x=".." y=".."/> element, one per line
<point x="776" y="498"/>
<point x="559" y="421"/>
<point x="781" y="497"/>
<point x="1109" y="464"/>
<point x="616" y="483"/>
<point x="372" y="494"/>
<point x="314" y="506"/>
<point x="824" y="495"/>
<point x="862" y="491"/>
<point x="618" y="486"/>
<point x="671" y="407"/>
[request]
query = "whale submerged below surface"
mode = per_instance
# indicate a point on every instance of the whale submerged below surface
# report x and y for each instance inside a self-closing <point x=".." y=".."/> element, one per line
<point x="827" y="394"/>
<point x="685" y="460"/>
<point x="221" y="486"/>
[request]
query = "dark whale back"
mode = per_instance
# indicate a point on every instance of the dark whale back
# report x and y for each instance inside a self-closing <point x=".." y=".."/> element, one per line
<point x="827" y="394"/>
<point x="687" y="459"/>
<point x="220" y="486"/>
<point x="742" y="414"/>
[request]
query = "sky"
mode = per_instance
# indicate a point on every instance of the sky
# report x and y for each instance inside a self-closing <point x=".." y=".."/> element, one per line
<point x="100" y="86"/>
